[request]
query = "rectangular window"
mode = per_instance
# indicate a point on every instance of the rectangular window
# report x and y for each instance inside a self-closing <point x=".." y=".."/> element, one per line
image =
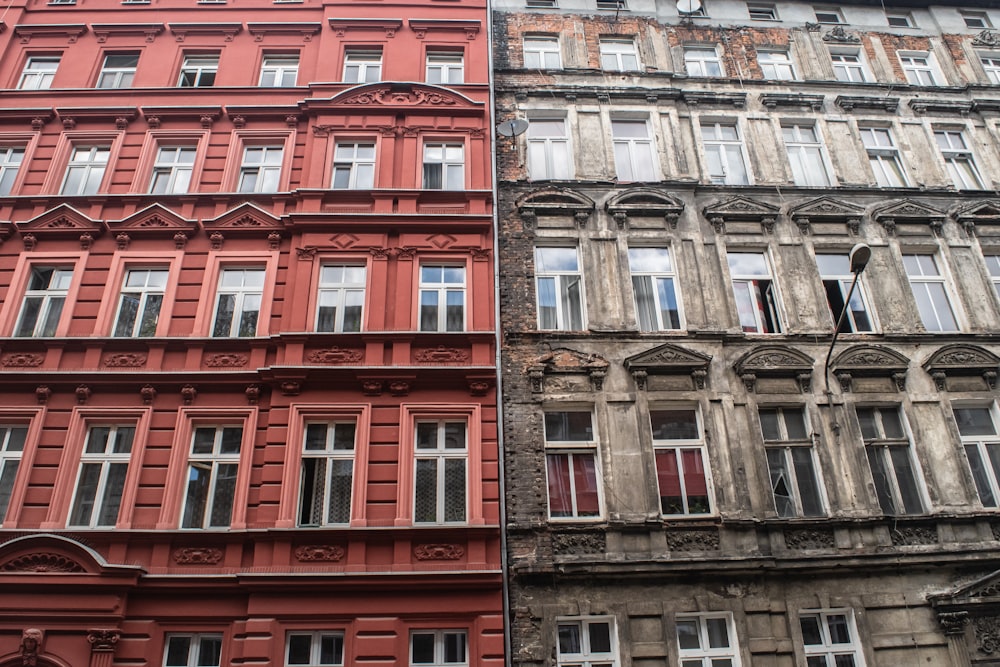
<point x="776" y="65"/>
<point x="702" y="61"/>
<point x="755" y="292"/>
<point x="327" y="474"/>
<point x="829" y="15"/>
<point x="587" y="642"/>
<point x="172" y="169"/>
<point x="679" y="449"/>
<point x="12" y="439"/>
<point x="444" y="166"/>
<point x="724" y="154"/>
<point x="899" y="19"/>
<point x="279" y="71"/>
<point x="212" y="467"/>
<point x="635" y="159"/>
<point x="978" y="430"/>
<point x="363" y="66"/>
<point x="354" y="166"/>
<point x="653" y="287"/>
<point x="613" y="5"/>
<point x="38" y="73"/>
<point x="103" y="466"/>
<point x="540" y="3"/>
<point x="140" y="302"/>
<point x="993" y="266"/>
<point x="976" y="20"/>
<point x="891" y="461"/>
<point x="439" y="488"/>
<point x="438" y="648"/>
<point x="762" y="12"/>
<point x="849" y="67"/>
<point x="707" y="640"/>
<point x="198" y="71"/>
<point x="991" y="65"/>
<point x="193" y="651"/>
<point x="790" y="462"/>
<point x="43" y="301"/>
<point x="118" y="70"/>
<point x="830" y="639"/>
<point x="341" y="297"/>
<point x="920" y="69"/>
<point x="619" y="55"/>
<point x="314" y="649"/>
<point x="260" y="170"/>
<point x="883" y="156"/>
<point x="835" y="272"/>
<point x="929" y="289"/>
<point x="442" y="298"/>
<point x="11" y="158"/>
<point x="445" y="67"/>
<point x="238" y="303"/>
<point x="958" y="160"/>
<point x="85" y="170"/>
<point x="542" y="52"/>
<point x="571" y="465"/>
<point x="805" y="154"/>
<point x="548" y="149"/>
<point x="559" y="289"/>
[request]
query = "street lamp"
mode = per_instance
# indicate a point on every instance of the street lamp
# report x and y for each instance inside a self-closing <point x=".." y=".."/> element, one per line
<point x="859" y="256"/>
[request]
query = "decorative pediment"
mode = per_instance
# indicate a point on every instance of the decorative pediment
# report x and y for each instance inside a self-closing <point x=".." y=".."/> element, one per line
<point x="227" y="31"/>
<point x="741" y="209"/>
<point x="61" y="222"/>
<point x="155" y="220"/>
<point x="870" y="361"/>
<point x="909" y="212"/>
<point x="555" y="201"/>
<point x="247" y="219"/>
<point x="775" y="361"/>
<point x="980" y="213"/>
<point x="421" y="27"/>
<point x="46" y="553"/>
<point x="403" y="94"/>
<point x="962" y="360"/>
<point x="669" y="359"/>
<point x="826" y="209"/>
<point x="644" y="202"/>
<point x="566" y="361"/>
<point x="342" y="25"/>
<point x="976" y="603"/>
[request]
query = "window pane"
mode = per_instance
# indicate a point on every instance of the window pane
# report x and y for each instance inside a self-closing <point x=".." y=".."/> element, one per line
<point x="674" y="424"/>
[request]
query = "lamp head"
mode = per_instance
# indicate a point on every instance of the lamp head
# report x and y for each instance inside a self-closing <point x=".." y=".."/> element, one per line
<point x="860" y="254"/>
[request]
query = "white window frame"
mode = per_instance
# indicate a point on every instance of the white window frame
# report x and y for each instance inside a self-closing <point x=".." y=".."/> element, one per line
<point x="144" y="294"/>
<point x="788" y="471"/>
<point x="899" y="19"/>
<point x="880" y="448"/>
<point x="440" y="454"/>
<point x="587" y="656"/>
<point x="762" y="11"/>
<point x="211" y="461"/>
<point x="563" y="282"/>
<point x="617" y="55"/>
<point x="938" y="299"/>
<point x="576" y="452"/>
<point x="654" y="266"/>
<point x="194" y="658"/>
<point x="103" y="493"/>
<point x="445" y="162"/>
<point x="439" y="294"/>
<point x="920" y="68"/>
<point x="356" y="161"/>
<point x="850" y="66"/>
<point x="841" y="281"/>
<point x="990" y="60"/>
<point x="441" y="658"/>
<point x="776" y="65"/>
<point x="315" y="648"/>
<point x="703" y="61"/>
<point x="172" y="169"/>
<point x="198" y="70"/>
<point x="959" y="160"/>
<point x="331" y="458"/>
<point x="37" y="73"/>
<point x="982" y="452"/>
<point x="706" y="655"/>
<point x="11" y="159"/>
<point x="806" y="156"/>
<point x="13" y="438"/>
<point x="829" y="15"/>
<point x="279" y="70"/>
<point x="445" y="68"/>
<point x="992" y="260"/>
<point x="548" y="151"/>
<point x="635" y="156"/>
<point x="827" y="649"/>
<point x="545" y="48"/>
<point x="247" y="300"/>
<point x="758" y="306"/>
<point x="363" y="65"/>
<point x="121" y="76"/>
<point x="730" y="154"/>
<point x="87" y="160"/>
<point x="341" y="292"/>
<point x="52" y="302"/>
<point x="884" y="157"/>
<point x="260" y="168"/>
<point x="677" y="448"/>
<point x="975" y="20"/>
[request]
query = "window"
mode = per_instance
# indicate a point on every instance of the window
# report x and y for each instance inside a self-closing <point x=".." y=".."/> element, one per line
<point x="445" y="67"/>
<point x="193" y="651"/>
<point x="883" y="156"/>
<point x="103" y="467"/>
<point x="199" y="71"/>
<point x="689" y="9"/>
<point x="619" y="55"/>
<point x="653" y="276"/>
<point x="542" y="52"/>
<point x="635" y="159"/>
<point x="118" y="70"/>
<point x="440" y="483"/>
<point x="11" y="158"/>
<point x="958" y="160"/>
<point x="830" y="639"/>
<point x="444" y="166"/>
<point x="849" y="67"/>
<point x="829" y="15"/>
<point x="85" y="170"/>
<point x="679" y="449"/>
<point x="237" y="305"/>
<point x="707" y="640"/>
<point x="899" y="19"/>
<point x="976" y="20"/>
<point x="540" y="3"/>
<point x="790" y="462"/>
<point x="43" y="301"/>
<point x="212" y="467"/>
<point x="354" y="166"/>
<point x="702" y="61"/>
<point x="327" y="474"/>
<point x="559" y="289"/>
<point x="260" y="170"/>
<point x="172" y="169"/>
<point x="978" y="430"/>
<point x="571" y="465"/>
<point x="891" y="461"/>
<point x="993" y="266"/>
<point x="919" y="69"/>
<point x="613" y="5"/>
<point x="363" y="66"/>
<point x="762" y="12"/>
<point x="38" y="73"/>
<point x="548" y="149"/>
<point x="442" y="298"/>
<point x="315" y="649"/>
<point x="991" y="65"/>
<point x="279" y="71"/>
<point x="724" y="154"/>
<point x="755" y="292"/>
<point x="805" y="154"/>
<point x="12" y="439"/>
<point x="140" y="302"/>
<point x="438" y="648"/>
<point x="587" y="642"/>
<point x="776" y="65"/>
<point x="928" y="287"/>
<point x="341" y="297"/>
<point x="835" y="272"/>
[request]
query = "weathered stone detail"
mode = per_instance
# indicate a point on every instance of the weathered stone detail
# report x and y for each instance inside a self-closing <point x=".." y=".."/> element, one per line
<point x="693" y="540"/>
<point x="954" y="622"/>
<point x="566" y="544"/>
<point x="809" y="539"/>
<point x="987" y="631"/>
<point x="913" y="535"/>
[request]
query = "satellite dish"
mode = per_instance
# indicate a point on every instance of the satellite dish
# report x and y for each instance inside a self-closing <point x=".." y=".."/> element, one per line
<point x="516" y="126"/>
<point x="688" y="6"/>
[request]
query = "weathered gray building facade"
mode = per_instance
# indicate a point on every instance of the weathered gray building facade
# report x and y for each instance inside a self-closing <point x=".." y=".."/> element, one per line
<point x="686" y="481"/>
